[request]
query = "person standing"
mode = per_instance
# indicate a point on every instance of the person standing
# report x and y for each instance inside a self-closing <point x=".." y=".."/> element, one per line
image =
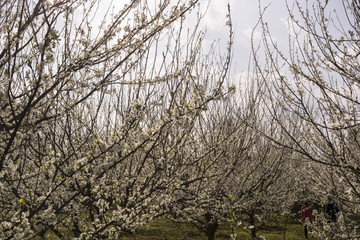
<point x="306" y="215"/>
<point x="331" y="210"/>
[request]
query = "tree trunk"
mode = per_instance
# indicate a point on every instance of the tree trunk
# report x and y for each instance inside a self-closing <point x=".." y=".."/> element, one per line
<point x="211" y="227"/>
<point x="286" y="218"/>
<point x="252" y="222"/>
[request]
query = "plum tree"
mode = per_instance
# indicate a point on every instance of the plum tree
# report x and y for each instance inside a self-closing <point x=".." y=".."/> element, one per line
<point x="93" y="106"/>
<point x="312" y="94"/>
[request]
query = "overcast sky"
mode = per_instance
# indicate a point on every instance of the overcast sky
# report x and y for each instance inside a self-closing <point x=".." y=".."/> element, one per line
<point x="245" y="15"/>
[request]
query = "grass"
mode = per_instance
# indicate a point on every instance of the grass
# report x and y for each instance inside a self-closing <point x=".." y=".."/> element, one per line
<point x="163" y="229"/>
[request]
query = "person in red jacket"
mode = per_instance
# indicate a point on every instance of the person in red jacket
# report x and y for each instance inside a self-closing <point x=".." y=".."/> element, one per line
<point x="306" y="215"/>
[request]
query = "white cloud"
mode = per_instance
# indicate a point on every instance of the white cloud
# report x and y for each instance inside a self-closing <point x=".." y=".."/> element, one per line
<point x="215" y="17"/>
<point x="250" y="33"/>
<point x="291" y="25"/>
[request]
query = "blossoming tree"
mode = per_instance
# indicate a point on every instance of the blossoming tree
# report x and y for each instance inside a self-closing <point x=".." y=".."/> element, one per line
<point x="312" y="90"/>
<point x="93" y="111"/>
